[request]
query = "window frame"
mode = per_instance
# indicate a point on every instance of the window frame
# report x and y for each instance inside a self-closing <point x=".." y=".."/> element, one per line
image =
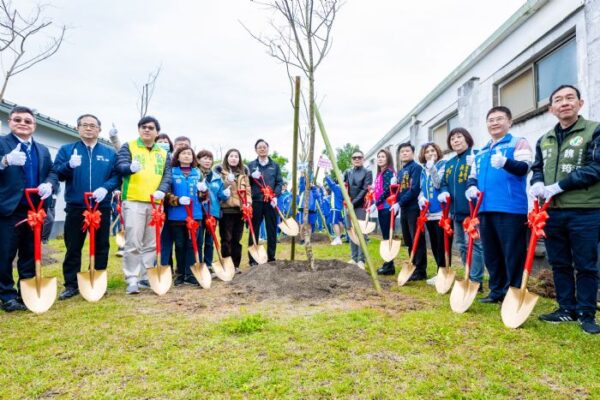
<point x="442" y="121"/>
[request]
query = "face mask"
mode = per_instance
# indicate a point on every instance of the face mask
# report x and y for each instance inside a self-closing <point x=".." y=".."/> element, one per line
<point x="164" y="146"/>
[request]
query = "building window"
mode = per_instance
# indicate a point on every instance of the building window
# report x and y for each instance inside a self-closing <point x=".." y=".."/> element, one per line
<point x="439" y="132"/>
<point x="528" y="90"/>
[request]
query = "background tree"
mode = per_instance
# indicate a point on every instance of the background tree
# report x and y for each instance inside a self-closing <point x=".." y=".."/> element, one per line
<point x="344" y="155"/>
<point x="282" y="161"/>
<point x="18" y="35"/>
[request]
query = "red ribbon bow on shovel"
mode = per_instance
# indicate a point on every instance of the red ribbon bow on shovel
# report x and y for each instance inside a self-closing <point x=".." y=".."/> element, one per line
<point x="36" y="217"/>
<point x="470" y="226"/>
<point x="536" y="218"/>
<point x="268" y="193"/>
<point x="393" y="197"/>
<point x="157" y="217"/>
<point x="247" y="212"/>
<point x="210" y="222"/>
<point x="445" y="222"/>
<point x="91" y="219"/>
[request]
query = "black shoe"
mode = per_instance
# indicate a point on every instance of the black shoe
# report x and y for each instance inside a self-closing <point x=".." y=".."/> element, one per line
<point x="179" y="280"/>
<point x="417" y="277"/>
<point x="68" y="293"/>
<point x="490" y="300"/>
<point x="589" y="325"/>
<point x="557" y="316"/>
<point x="238" y="270"/>
<point x="386" y="270"/>
<point x="13" y="305"/>
<point x="480" y="290"/>
<point x="191" y="280"/>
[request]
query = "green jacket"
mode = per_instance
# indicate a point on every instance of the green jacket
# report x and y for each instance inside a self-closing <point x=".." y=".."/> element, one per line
<point x="575" y="165"/>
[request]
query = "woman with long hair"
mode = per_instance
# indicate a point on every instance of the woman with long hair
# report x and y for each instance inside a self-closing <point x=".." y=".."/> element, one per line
<point x="231" y="225"/>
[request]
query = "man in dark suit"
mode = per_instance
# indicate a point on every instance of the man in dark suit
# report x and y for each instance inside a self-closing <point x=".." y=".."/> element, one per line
<point x="24" y="163"/>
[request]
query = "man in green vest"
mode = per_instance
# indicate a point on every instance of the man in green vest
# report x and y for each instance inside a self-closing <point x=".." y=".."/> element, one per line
<point x="567" y="169"/>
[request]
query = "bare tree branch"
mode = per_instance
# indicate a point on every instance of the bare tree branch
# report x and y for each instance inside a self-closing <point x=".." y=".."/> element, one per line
<point x="146" y="91"/>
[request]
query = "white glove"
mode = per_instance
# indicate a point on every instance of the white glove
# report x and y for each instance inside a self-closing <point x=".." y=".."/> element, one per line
<point x="372" y="209"/>
<point x="274" y="202"/>
<point x="135" y="166"/>
<point x="552" y="190"/>
<point x="227" y="192"/>
<point x="429" y="164"/>
<point x="185" y="201"/>
<point x="113" y="132"/>
<point x="256" y="174"/>
<point x="498" y="160"/>
<point x="395" y="208"/>
<point x="422" y="202"/>
<point x="230" y="177"/>
<point x="537" y="190"/>
<point x="471" y="192"/>
<point x="75" y="160"/>
<point x="99" y="194"/>
<point x="16" y="157"/>
<point x="470" y="159"/>
<point x="394" y="180"/>
<point x="443" y="197"/>
<point x="201" y="186"/>
<point x="44" y="190"/>
<point x="159" y="195"/>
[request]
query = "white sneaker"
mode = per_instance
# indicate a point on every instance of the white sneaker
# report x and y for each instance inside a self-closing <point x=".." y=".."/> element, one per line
<point x="431" y="281"/>
<point x="361" y="265"/>
<point x="119" y="253"/>
<point x="337" y="241"/>
<point x="132" y="288"/>
<point x="351" y="261"/>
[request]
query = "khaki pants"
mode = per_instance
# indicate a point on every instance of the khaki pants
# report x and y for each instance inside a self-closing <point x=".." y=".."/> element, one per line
<point x="140" y="241"/>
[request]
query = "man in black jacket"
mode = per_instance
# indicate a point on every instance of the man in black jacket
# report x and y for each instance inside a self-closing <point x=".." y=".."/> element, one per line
<point x="264" y="171"/>
<point x="358" y="179"/>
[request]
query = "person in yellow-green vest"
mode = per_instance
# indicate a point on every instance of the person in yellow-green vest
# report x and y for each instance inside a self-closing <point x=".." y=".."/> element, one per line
<point x="146" y="170"/>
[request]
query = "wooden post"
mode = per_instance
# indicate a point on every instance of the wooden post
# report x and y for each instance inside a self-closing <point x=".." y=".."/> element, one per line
<point x="295" y="160"/>
<point x="353" y="218"/>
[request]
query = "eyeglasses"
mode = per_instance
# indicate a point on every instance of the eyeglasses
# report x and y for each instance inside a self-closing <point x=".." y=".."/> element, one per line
<point x="91" y="126"/>
<point x="18" y="120"/>
<point x="147" y="127"/>
<point x="493" y="120"/>
<point x="357" y="157"/>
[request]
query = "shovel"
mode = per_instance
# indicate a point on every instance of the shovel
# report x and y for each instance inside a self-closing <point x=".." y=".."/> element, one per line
<point x="258" y="252"/>
<point x="200" y="270"/>
<point x="287" y="225"/>
<point x="38" y="293"/>
<point x="445" y="276"/>
<point x="224" y="269"/>
<point x="120" y="237"/>
<point x="388" y="249"/>
<point x="464" y="292"/>
<point x="160" y="277"/>
<point x="518" y="302"/>
<point x="408" y="269"/>
<point x="367" y="226"/>
<point x="92" y="284"/>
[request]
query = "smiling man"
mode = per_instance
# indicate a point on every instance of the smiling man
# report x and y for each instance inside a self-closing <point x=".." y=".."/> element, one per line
<point x="567" y="168"/>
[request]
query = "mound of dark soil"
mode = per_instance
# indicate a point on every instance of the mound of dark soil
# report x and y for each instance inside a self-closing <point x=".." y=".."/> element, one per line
<point x="543" y="284"/>
<point x="294" y="280"/>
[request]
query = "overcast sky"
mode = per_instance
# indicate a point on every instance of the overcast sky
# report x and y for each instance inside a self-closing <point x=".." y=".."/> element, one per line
<point x="218" y="85"/>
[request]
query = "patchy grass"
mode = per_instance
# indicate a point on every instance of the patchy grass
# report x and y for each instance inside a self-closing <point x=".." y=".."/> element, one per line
<point x="143" y="347"/>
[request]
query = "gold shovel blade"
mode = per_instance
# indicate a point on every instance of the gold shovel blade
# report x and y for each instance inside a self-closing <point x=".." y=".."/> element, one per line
<point x="405" y="273"/>
<point x="222" y="272"/>
<point x="444" y="280"/>
<point x="517" y="307"/>
<point x="366" y="226"/>
<point x="39" y="293"/>
<point x="462" y="295"/>
<point x="160" y="278"/>
<point x="259" y="254"/>
<point x="92" y="288"/>
<point x="202" y="275"/>
<point x="289" y="227"/>
<point x="353" y="237"/>
<point x="389" y="249"/>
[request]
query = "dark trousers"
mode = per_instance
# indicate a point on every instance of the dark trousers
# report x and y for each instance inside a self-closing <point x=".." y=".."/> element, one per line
<point x="408" y="221"/>
<point x="436" y="241"/>
<point x="504" y="241"/>
<point x="166" y="245"/>
<point x="205" y="245"/>
<point x="231" y="229"/>
<point x="75" y="238"/>
<point x="184" y="252"/>
<point x="260" y="211"/>
<point x="15" y="240"/>
<point x="383" y="216"/>
<point x="572" y="237"/>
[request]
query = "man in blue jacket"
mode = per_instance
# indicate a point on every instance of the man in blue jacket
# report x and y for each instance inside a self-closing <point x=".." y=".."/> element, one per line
<point x="500" y="172"/>
<point x="24" y="163"/>
<point x="85" y="166"/>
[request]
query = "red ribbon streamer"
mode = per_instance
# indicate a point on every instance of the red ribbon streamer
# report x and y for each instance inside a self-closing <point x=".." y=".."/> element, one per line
<point x="446" y="224"/>
<point x="211" y="223"/>
<point x="191" y="224"/>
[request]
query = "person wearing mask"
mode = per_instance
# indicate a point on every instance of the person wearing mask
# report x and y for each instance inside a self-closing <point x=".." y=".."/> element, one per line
<point x="231" y="225"/>
<point x="567" y="169"/>
<point x="358" y="180"/>
<point x="408" y="198"/>
<point x="166" y="238"/>
<point x="146" y="170"/>
<point x="500" y="172"/>
<point x="453" y="187"/>
<point x="381" y="191"/>
<point x="265" y="171"/>
<point x="24" y="164"/>
<point x="85" y="166"/>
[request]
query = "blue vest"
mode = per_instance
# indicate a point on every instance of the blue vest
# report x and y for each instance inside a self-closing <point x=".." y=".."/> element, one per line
<point x="429" y="191"/>
<point x="503" y="191"/>
<point x="185" y="186"/>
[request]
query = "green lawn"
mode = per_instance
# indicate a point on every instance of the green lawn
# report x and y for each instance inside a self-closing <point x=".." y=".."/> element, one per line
<point x="147" y="347"/>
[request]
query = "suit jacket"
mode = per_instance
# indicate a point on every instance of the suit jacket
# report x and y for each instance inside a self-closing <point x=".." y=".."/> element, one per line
<point x="12" y="178"/>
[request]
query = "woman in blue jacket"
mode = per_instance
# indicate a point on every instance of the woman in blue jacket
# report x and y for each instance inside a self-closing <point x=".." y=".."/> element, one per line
<point x="184" y="191"/>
